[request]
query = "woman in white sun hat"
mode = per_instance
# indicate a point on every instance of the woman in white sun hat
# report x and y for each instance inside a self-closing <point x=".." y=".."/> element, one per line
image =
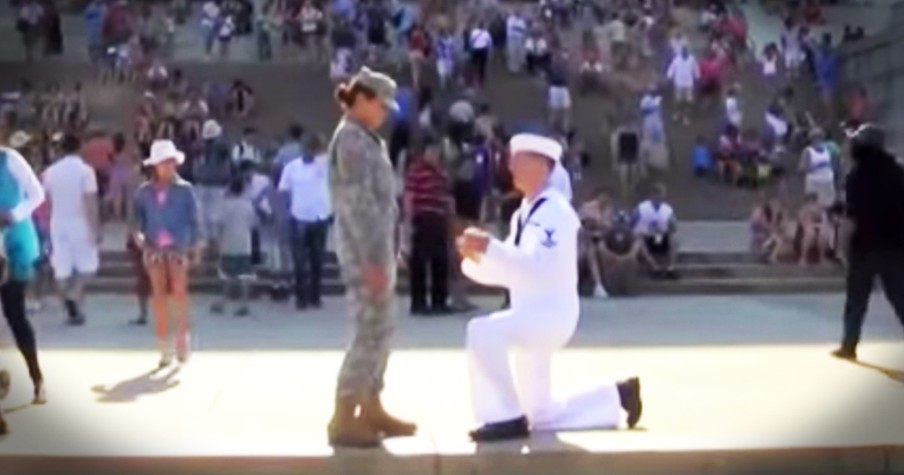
<point x="168" y="231"/>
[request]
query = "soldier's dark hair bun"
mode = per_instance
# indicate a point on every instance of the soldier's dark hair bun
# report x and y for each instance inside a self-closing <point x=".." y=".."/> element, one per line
<point x="347" y="93"/>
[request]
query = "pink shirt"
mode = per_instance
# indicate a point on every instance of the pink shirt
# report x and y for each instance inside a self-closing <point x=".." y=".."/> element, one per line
<point x="164" y="239"/>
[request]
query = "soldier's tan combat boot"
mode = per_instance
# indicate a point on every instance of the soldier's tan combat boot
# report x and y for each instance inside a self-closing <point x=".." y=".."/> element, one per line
<point x="374" y="414"/>
<point x="347" y="430"/>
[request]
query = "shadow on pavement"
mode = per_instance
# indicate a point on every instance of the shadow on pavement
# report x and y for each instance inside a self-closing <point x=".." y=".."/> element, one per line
<point x="893" y="374"/>
<point x="131" y="389"/>
<point x="14" y="409"/>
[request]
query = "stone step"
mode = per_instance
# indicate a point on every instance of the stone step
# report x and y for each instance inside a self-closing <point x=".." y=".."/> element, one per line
<point x="109" y="257"/>
<point x="684" y="286"/>
<point x="743" y="286"/>
<point x="122" y="269"/>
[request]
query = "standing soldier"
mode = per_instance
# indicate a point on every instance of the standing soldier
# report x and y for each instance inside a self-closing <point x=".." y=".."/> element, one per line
<point x="362" y="185"/>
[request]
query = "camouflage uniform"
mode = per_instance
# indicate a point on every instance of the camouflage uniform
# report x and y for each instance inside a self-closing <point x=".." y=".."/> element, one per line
<point x="362" y="186"/>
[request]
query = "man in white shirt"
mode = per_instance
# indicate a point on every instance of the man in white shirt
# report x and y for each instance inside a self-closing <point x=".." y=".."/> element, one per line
<point x="71" y="187"/>
<point x="305" y="181"/>
<point x="515" y="35"/>
<point x="684" y="73"/>
<point x="537" y="264"/>
<point x="245" y="150"/>
<point x="656" y="225"/>
<point x="479" y="41"/>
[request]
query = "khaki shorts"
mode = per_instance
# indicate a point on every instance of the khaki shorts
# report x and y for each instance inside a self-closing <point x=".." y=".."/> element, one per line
<point x="684" y="94"/>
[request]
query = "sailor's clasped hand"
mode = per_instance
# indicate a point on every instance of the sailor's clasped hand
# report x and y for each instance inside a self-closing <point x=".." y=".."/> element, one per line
<point x="473" y="243"/>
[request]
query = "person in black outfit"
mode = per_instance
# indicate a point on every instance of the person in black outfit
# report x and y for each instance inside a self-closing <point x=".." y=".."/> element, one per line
<point x="875" y="223"/>
<point x="428" y="206"/>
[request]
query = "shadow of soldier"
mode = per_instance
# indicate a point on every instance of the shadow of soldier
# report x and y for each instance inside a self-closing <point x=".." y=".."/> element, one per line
<point x="131" y="389"/>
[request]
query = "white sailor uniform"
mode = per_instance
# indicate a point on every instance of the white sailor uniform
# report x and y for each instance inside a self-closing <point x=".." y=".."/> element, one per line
<point x="537" y="264"/>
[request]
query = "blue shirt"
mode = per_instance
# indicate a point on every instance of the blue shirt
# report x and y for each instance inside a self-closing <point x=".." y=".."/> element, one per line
<point x="94" y="21"/>
<point x="405" y="99"/>
<point x="701" y="158"/>
<point x="827" y="68"/>
<point x="177" y="216"/>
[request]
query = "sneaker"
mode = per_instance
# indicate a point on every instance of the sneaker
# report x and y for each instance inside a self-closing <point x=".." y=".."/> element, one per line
<point x="183" y="348"/>
<point x="166" y="360"/>
<point x="40" y="396"/>
<point x="166" y="354"/>
<point x="242" y="312"/>
<point x="600" y="293"/>
<point x="217" y="308"/>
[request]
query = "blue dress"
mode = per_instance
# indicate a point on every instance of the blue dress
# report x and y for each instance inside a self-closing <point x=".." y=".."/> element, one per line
<point x="20" y="239"/>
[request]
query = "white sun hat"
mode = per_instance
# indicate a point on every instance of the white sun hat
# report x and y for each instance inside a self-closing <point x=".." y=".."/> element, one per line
<point x="163" y="150"/>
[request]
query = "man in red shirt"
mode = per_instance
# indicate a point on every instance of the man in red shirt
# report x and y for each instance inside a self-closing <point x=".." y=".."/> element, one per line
<point x="428" y="209"/>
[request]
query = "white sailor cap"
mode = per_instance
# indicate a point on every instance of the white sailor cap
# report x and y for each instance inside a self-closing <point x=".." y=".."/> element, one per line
<point x="538" y="144"/>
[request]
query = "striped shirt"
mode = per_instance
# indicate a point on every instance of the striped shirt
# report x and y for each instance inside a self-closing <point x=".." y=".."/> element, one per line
<point x="427" y="190"/>
<point x="445" y="48"/>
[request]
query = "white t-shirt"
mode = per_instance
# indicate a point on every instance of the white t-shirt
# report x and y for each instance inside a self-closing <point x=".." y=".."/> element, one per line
<point x="733" y="111"/>
<point x="778" y="125"/>
<point x="652" y="220"/>
<point x="683" y="72"/>
<point x="618" y="31"/>
<point x="243" y="151"/>
<point x="310" y="17"/>
<point x="308" y="188"/>
<point x="66" y="183"/>
<point x="770" y="66"/>
<point x="480" y="39"/>
<point x="515" y="27"/>
<point x="819" y="163"/>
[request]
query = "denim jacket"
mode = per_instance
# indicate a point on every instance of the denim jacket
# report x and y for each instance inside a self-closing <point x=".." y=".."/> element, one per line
<point x="178" y="215"/>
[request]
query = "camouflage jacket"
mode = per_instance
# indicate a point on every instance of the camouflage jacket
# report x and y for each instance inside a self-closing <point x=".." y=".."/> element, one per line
<point x="362" y="189"/>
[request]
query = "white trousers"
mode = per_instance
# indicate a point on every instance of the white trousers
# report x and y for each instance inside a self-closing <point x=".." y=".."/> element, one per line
<point x="503" y="391"/>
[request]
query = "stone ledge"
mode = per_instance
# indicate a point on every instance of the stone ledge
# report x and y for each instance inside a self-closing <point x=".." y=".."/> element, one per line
<point x="494" y="461"/>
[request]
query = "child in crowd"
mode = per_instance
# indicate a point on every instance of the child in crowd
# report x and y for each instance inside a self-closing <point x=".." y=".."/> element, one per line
<point x="234" y="239"/>
<point x="123" y="180"/>
<point x="142" y="280"/>
<point x="702" y="158"/>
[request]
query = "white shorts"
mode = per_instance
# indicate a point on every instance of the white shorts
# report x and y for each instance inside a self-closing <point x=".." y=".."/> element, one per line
<point x="823" y="188"/>
<point x="559" y="98"/>
<point x="72" y="251"/>
<point x="444" y="67"/>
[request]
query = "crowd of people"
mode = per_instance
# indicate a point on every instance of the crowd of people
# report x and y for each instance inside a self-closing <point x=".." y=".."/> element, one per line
<point x="450" y="155"/>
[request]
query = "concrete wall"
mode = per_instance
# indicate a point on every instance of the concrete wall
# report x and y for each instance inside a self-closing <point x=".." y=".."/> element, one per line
<point x="878" y="63"/>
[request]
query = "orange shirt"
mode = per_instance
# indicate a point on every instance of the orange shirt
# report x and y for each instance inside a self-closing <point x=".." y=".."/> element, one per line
<point x="98" y="152"/>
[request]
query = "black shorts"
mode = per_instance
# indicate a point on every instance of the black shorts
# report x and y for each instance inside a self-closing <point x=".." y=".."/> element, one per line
<point x="660" y="247"/>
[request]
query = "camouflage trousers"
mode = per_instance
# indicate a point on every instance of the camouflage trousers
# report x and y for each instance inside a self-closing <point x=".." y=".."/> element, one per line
<point x="365" y="359"/>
